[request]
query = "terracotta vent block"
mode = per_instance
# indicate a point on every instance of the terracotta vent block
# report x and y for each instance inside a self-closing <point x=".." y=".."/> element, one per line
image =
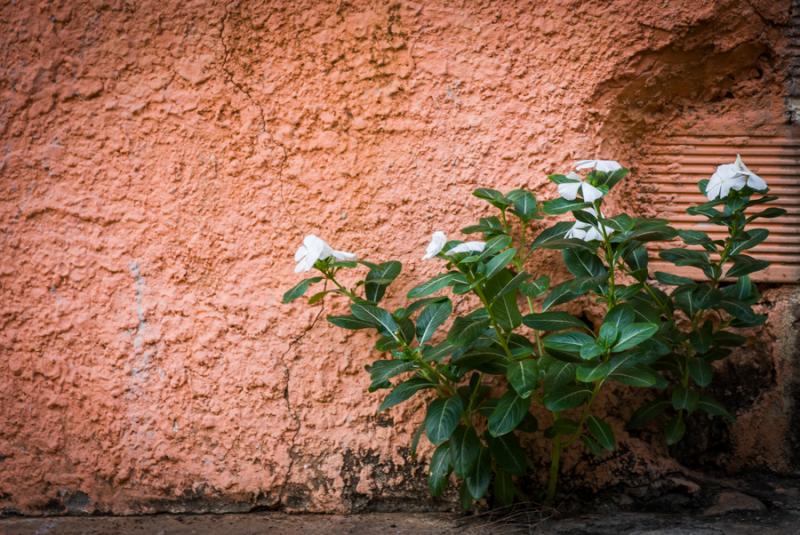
<point x="677" y="163"/>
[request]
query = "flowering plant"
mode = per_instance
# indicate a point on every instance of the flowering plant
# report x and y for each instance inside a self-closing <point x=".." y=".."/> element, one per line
<point x="515" y="351"/>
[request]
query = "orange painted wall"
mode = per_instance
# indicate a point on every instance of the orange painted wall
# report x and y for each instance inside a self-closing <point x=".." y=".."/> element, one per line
<point x="161" y="161"/>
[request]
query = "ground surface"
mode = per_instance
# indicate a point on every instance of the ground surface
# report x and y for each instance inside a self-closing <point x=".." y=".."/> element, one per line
<point x="401" y="523"/>
<point x="704" y="505"/>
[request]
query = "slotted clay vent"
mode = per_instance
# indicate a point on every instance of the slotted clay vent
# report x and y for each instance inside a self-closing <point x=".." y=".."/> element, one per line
<point x="677" y="163"/>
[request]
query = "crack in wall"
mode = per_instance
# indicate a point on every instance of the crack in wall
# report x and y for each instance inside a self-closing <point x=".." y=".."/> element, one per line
<point x="287" y="370"/>
<point x="229" y="77"/>
<point x="287" y="373"/>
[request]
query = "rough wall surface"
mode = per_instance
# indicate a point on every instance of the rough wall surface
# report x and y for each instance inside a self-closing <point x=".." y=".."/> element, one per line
<point x="162" y="160"/>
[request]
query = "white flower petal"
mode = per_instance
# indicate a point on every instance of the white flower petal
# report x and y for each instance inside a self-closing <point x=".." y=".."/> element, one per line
<point x="756" y="182"/>
<point x="585" y="164"/>
<point x="343" y="256"/>
<point x="605" y="166"/>
<point x="569" y="190"/>
<point x="590" y="193"/>
<point x="315" y="248"/>
<point x="467" y="247"/>
<point x="727" y="176"/>
<point x="438" y="239"/>
<point x="593" y="234"/>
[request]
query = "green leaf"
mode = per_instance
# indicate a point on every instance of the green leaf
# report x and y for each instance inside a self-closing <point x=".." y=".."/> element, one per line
<point x="504" y="310"/>
<point x="591" y="351"/>
<point x="672" y="280"/>
<point x="439" y="470"/>
<point x="684" y="398"/>
<point x="744" y="265"/>
<point x="403" y="391"/>
<point x="437" y="352"/>
<point x="494" y="246"/>
<point x="464" y="450"/>
<point x="431" y="317"/>
<point x="508" y="454"/>
<point x="675" y="430"/>
<point x="382" y="370"/>
<point x="647" y="413"/>
<point x="566" y="397"/>
<point x="685" y="257"/>
<point x="500" y="261"/>
<point x="607" y="335"/>
<point x="694" y="237"/>
<point x="636" y="258"/>
<point x="503" y="489"/>
<point x="551" y="234"/>
<point x="493" y="197"/>
<point x="620" y="316"/>
<point x="299" y="289"/>
<point x="702" y="338"/>
<point x="442" y="418"/>
<point x="601" y="432"/>
<point x="712" y="407"/>
<point x="558" y="374"/>
<point x="523" y="376"/>
<point x="768" y="213"/>
<point x="508" y="413"/>
<point x="601" y="370"/>
<point x="634" y="334"/>
<point x="465" y="329"/>
<point x="566" y="291"/>
<point x="638" y="376"/>
<point x="553" y="321"/>
<point x="378" y="317"/>
<point x="561" y="427"/>
<point x="480" y="477"/>
<point x="700" y="371"/>
<point x="379" y="278"/>
<point x="535" y="288"/>
<point x="350" y="322"/>
<point x="751" y="238"/>
<point x="488" y="226"/>
<point x="739" y="310"/>
<point x="524" y="204"/>
<point x="491" y="359"/>
<point x="592" y="445"/>
<point x="434" y="285"/>
<point x="464" y="497"/>
<point x="512" y="285"/>
<point x="569" y="342"/>
<point x="562" y="206"/>
<point x="614" y="177"/>
<point x="583" y="264"/>
<point x="742" y="290"/>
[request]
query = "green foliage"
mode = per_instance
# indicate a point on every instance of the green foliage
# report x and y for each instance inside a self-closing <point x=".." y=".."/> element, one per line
<point x="660" y="331"/>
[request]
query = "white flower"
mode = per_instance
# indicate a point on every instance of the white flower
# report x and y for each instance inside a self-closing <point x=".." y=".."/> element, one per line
<point x="605" y="166"/>
<point x="585" y="231"/>
<point x="753" y="180"/>
<point x="734" y="176"/>
<point x="314" y="249"/>
<point x="438" y="239"/>
<point x="569" y="190"/>
<point x="467" y="247"/>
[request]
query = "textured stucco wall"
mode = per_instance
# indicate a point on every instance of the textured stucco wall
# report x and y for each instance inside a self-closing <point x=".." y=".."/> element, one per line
<point x="162" y="160"/>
